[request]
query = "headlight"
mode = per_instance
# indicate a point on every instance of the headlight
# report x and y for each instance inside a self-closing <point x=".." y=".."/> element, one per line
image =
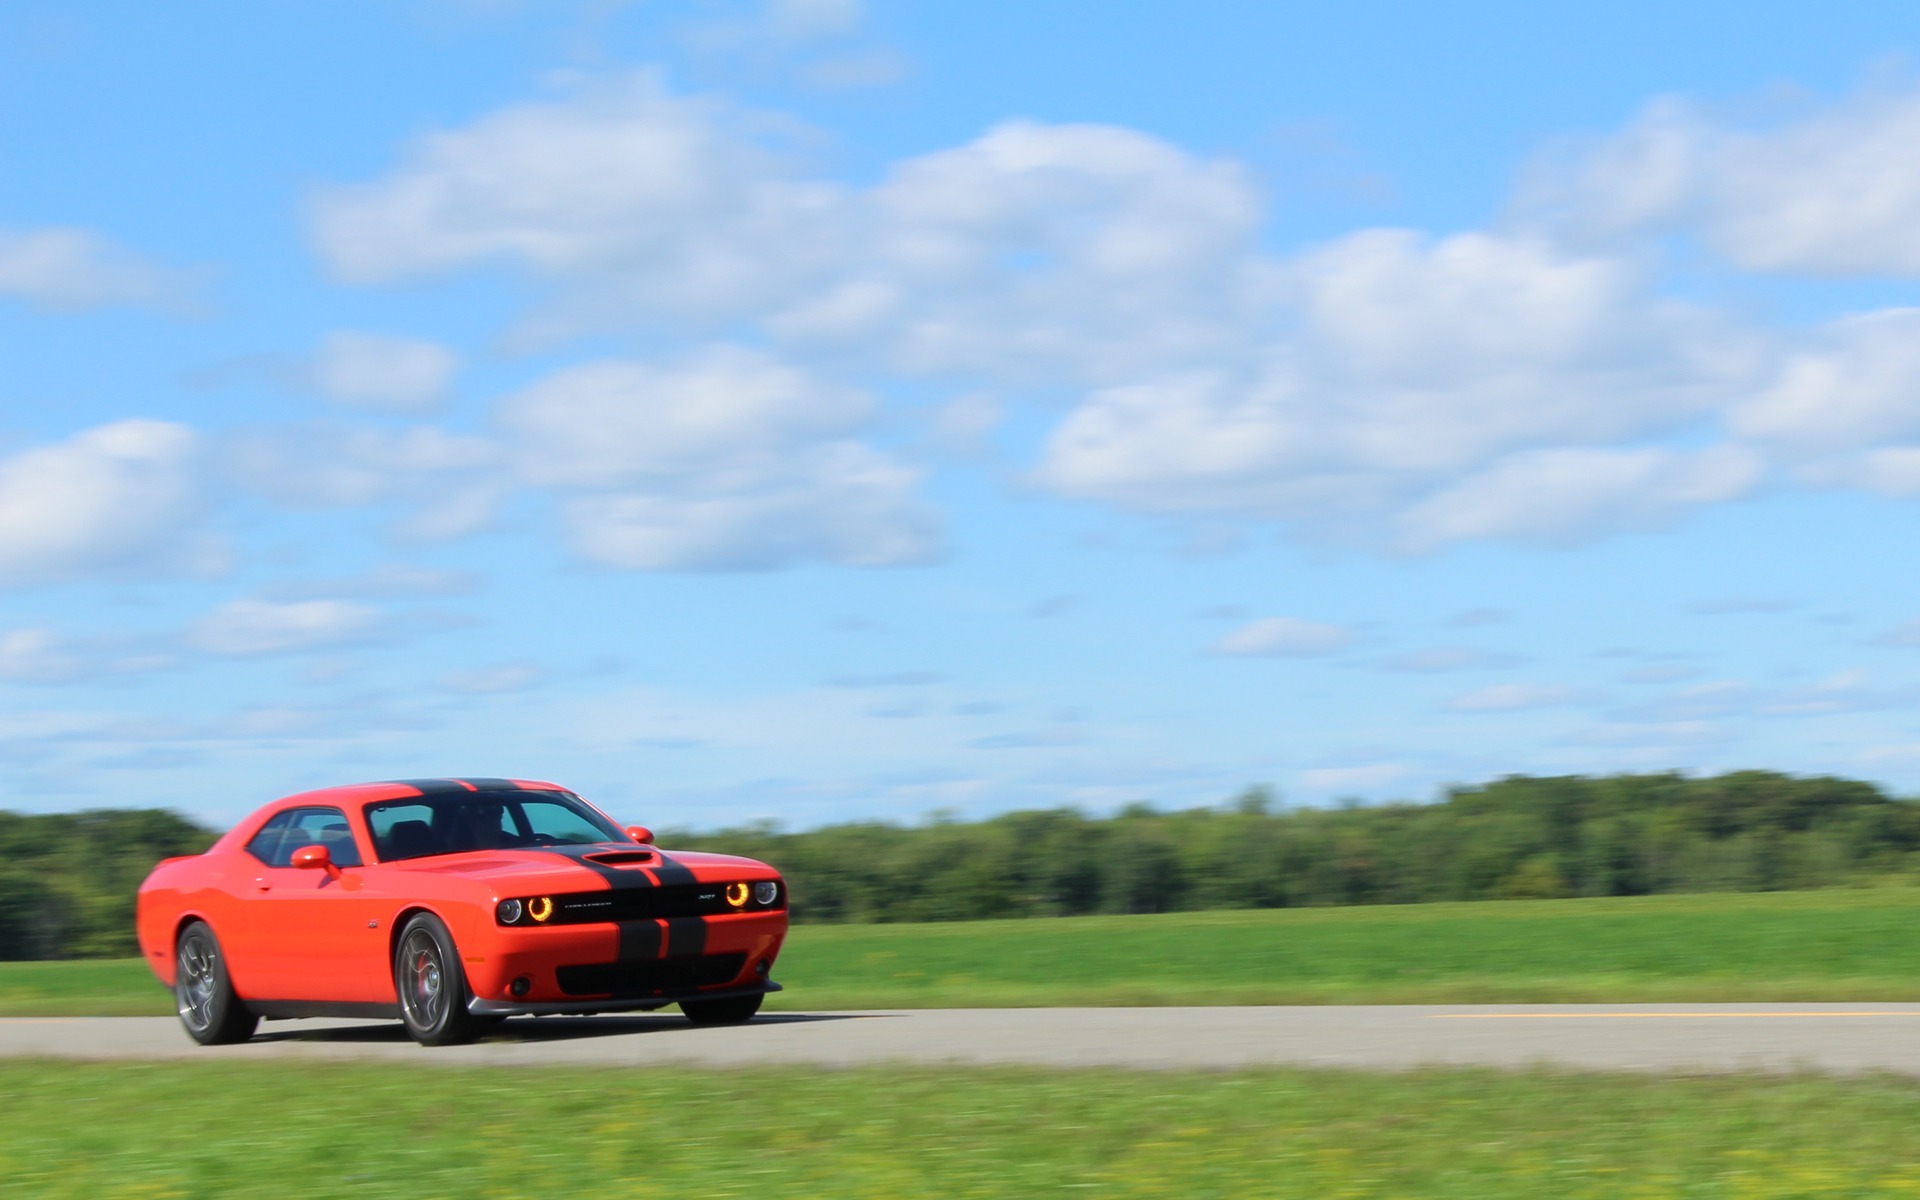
<point x="541" y="908"/>
<point x="737" y="894"/>
<point x="766" y="892"/>
<point x="508" y="911"/>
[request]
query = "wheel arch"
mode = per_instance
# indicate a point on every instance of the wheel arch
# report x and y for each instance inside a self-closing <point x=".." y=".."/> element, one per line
<point x="400" y="920"/>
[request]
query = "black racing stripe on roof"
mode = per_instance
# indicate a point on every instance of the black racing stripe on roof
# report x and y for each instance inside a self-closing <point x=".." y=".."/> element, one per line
<point x="435" y="787"/>
<point x="490" y="785"/>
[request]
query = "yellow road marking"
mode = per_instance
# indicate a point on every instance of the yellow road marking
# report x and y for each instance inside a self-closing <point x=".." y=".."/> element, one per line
<point x="1652" y="1016"/>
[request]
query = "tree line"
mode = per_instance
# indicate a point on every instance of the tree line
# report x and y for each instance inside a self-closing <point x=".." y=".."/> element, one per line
<point x="67" y="881"/>
<point x="1518" y="838"/>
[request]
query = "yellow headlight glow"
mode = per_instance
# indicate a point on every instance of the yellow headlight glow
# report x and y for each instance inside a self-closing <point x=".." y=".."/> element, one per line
<point x="737" y="894"/>
<point x="540" y="908"/>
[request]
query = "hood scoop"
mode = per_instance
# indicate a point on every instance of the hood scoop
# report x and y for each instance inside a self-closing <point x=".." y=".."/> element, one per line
<point x="623" y="858"/>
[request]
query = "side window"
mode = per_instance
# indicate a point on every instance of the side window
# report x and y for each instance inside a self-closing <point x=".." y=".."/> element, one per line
<point x="288" y="831"/>
<point x="320" y="827"/>
<point x="266" y="843"/>
<point x="401" y="830"/>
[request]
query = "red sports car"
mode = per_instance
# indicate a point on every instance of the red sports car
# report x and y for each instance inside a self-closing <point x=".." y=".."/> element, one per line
<point x="453" y="904"/>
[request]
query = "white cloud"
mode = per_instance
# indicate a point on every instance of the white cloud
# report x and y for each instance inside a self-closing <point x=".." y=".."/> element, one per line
<point x="248" y="627"/>
<point x="1857" y="384"/>
<point x="689" y="204"/>
<point x="728" y="459"/>
<point x="1284" y="637"/>
<point x="1511" y="697"/>
<point x="722" y="412"/>
<point x="447" y="483"/>
<point x="36" y="656"/>
<point x="113" y="500"/>
<point x="1562" y="496"/>
<point x="1416" y="365"/>
<point x="1083" y="248"/>
<point x="370" y="370"/>
<point x="842" y="504"/>
<point x="1834" y="192"/>
<point x="75" y="269"/>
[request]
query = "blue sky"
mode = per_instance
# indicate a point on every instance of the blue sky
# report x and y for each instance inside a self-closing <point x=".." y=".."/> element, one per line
<point x="810" y="410"/>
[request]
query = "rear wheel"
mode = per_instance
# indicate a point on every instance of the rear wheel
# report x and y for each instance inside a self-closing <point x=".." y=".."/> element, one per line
<point x="431" y="986"/>
<point x="734" y="1010"/>
<point x="202" y="992"/>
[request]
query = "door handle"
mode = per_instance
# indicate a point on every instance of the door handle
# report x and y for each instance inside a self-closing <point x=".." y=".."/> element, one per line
<point x="262" y="884"/>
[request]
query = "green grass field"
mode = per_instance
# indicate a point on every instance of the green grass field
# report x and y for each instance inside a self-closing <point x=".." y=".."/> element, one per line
<point x="323" y="1130"/>
<point x="1832" y="945"/>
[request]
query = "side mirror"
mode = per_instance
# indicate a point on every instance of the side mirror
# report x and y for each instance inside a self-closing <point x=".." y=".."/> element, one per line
<point x="641" y="834"/>
<point x="314" y="858"/>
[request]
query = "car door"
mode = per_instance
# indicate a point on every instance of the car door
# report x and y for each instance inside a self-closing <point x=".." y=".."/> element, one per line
<point x="324" y="941"/>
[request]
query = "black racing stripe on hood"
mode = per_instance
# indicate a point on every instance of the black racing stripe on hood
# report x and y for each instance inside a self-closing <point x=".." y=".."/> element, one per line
<point x="671" y="872"/>
<point x="618" y="878"/>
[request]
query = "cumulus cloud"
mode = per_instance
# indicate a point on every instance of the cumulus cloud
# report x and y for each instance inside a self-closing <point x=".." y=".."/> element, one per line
<point x="1284" y="637"/>
<point x="1428" y="383"/>
<point x="448" y="484"/>
<point x="1562" y="496"/>
<point x="114" y="500"/>
<point x="844" y="504"/>
<point x="249" y="627"/>
<point x="1035" y="247"/>
<point x="721" y="412"/>
<point x="1392" y="388"/>
<point x="68" y="269"/>
<point x="370" y="370"/>
<point x="729" y="459"/>
<point x="1833" y="192"/>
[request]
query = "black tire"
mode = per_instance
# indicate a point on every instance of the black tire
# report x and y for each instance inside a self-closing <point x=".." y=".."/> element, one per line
<point x="203" y="994"/>
<point x="734" y="1010"/>
<point x="431" y="986"/>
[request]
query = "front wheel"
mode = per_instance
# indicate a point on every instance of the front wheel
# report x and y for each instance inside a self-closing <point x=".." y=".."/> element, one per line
<point x="431" y="986"/>
<point x="202" y="992"/>
<point x="734" y="1010"/>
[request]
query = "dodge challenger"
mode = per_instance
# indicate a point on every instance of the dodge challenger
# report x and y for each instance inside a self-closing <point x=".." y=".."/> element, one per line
<point x="453" y="904"/>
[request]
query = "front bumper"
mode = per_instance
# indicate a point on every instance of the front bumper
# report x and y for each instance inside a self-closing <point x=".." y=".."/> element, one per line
<point x="547" y="1008"/>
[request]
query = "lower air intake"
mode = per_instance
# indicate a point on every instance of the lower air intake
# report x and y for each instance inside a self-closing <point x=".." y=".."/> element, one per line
<point x="654" y="977"/>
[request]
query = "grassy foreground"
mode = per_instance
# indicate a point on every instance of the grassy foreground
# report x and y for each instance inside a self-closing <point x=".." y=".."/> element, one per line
<point x="1830" y="945"/>
<point x="358" y="1130"/>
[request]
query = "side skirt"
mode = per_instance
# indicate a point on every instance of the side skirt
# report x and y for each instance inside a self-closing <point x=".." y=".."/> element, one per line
<point x="588" y="1005"/>
<point x="281" y="1010"/>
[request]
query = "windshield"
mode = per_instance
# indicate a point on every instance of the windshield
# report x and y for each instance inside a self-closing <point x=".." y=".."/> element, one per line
<point x="419" y="827"/>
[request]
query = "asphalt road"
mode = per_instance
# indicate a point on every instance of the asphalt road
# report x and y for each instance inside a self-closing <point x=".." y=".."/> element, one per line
<point x="1843" y="1038"/>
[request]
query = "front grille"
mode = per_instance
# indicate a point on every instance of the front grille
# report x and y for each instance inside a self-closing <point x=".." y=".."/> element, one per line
<point x="645" y="903"/>
<point x="650" y="977"/>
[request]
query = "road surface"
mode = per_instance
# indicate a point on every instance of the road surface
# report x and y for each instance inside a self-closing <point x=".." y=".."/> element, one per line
<point x="1842" y="1038"/>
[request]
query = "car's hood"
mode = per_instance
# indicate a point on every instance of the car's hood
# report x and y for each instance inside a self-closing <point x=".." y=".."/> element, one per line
<point x="558" y="868"/>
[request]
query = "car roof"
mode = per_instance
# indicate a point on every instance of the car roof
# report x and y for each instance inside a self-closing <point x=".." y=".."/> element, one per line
<point x="401" y="789"/>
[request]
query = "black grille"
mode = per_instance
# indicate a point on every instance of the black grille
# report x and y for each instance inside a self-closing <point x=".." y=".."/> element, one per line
<point x="650" y="977"/>
<point x="639" y="904"/>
